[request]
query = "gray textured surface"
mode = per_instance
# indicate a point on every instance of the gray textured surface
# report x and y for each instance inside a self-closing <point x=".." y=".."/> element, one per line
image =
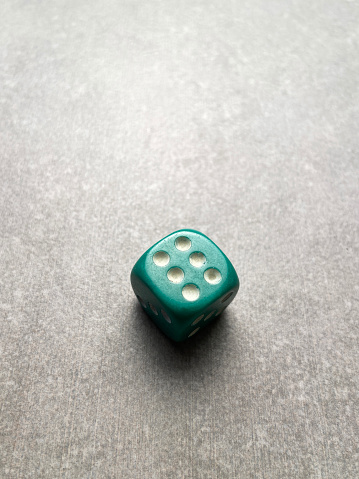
<point x="121" y="122"/>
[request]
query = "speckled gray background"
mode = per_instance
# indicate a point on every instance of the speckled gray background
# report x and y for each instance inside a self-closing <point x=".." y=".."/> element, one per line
<point x="121" y="121"/>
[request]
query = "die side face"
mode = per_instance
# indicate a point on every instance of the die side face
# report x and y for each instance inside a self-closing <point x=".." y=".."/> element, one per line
<point x="183" y="282"/>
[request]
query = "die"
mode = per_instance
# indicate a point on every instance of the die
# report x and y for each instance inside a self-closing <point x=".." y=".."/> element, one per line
<point x="184" y="282"/>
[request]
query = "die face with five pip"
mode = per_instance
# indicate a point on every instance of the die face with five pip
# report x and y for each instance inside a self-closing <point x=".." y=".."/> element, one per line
<point x="183" y="282"/>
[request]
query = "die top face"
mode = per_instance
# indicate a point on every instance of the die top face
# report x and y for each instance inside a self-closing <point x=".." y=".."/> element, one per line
<point x="186" y="271"/>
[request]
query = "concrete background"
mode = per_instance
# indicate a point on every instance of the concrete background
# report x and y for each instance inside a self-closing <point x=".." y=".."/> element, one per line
<point x="121" y="121"/>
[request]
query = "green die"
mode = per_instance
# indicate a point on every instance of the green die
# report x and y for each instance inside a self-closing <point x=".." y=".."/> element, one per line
<point x="183" y="282"/>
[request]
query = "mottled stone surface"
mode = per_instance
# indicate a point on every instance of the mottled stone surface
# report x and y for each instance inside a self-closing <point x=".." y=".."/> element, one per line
<point x="121" y="121"/>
